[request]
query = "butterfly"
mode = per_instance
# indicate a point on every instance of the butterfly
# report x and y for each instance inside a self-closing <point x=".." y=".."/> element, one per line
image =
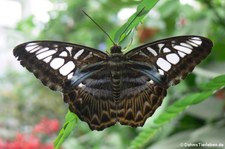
<point x="103" y="89"/>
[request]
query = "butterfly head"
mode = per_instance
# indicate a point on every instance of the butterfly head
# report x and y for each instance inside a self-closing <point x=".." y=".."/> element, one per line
<point x="116" y="49"/>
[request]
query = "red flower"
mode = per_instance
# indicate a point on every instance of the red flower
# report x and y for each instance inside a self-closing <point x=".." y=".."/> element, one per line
<point x="25" y="142"/>
<point x="47" y="126"/>
<point x="32" y="141"/>
<point x="2" y="144"/>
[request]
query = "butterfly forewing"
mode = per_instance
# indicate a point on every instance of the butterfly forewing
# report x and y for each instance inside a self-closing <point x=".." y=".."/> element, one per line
<point x="55" y="62"/>
<point x="172" y="58"/>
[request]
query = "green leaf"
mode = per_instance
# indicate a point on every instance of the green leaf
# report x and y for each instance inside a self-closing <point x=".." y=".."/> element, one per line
<point x="143" y="8"/>
<point x="216" y="83"/>
<point x="173" y="111"/>
<point x="71" y="121"/>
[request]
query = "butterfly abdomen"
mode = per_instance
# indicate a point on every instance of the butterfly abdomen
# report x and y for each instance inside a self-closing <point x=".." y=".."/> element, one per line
<point x="116" y="76"/>
<point x="116" y="64"/>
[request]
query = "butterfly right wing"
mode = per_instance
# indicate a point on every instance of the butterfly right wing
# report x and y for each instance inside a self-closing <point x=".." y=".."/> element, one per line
<point x="55" y="63"/>
<point x="151" y="69"/>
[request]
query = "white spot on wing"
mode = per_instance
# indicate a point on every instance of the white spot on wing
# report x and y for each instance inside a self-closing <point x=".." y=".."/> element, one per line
<point x="186" y="45"/>
<point x="181" y="54"/>
<point x="161" y="71"/>
<point x="191" y="43"/>
<point x="45" y="54"/>
<point x="152" y="51"/>
<point x="63" y="54"/>
<point x="81" y="85"/>
<point x="196" y="40"/>
<point x="55" y="46"/>
<point x="163" y="64"/>
<point x="56" y="63"/>
<point x="34" y="49"/>
<point x="42" y="50"/>
<point x="166" y="50"/>
<point x="78" y="53"/>
<point x="31" y="46"/>
<point x="183" y="49"/>
<point x="67" y="68"/>
<point x="151" y="82"/>
<point x="173" y="58"/>
<point x="160" y="45"/>
<point x="70" y="75"/>
<point x="69" y="48"/>
<point x="48" y="59"/>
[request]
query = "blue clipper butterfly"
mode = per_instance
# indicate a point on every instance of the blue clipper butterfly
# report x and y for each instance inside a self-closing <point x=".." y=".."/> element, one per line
<point x="103" y="89"/>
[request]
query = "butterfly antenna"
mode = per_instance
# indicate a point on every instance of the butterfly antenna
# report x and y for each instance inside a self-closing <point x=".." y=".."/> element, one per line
<point x="99" y="27"/>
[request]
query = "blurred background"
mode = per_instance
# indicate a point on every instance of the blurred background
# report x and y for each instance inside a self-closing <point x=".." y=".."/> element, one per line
<point x="31" y="114"/>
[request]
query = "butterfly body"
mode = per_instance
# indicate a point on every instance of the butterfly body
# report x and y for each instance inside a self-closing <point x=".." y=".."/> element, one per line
<point x="103" y="89"/>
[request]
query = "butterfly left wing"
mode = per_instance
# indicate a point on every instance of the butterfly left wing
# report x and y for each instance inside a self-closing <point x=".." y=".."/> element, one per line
<point x="73" y="70"/>
<point x="168" y="61"/>
<point x="55" y="63"/>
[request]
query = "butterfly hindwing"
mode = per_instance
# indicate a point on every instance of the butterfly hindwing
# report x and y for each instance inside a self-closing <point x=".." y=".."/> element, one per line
<point x="139" y="98"/>
<point x="55" y="62"/>
<point x="171" y="58"/>
<point x="92" y="100"/>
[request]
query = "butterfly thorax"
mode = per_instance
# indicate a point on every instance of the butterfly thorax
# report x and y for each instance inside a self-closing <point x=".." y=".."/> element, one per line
<point x="115" y="49"/>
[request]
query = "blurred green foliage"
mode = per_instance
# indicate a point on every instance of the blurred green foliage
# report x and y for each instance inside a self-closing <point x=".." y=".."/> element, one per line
<point x="31" y="101"/>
